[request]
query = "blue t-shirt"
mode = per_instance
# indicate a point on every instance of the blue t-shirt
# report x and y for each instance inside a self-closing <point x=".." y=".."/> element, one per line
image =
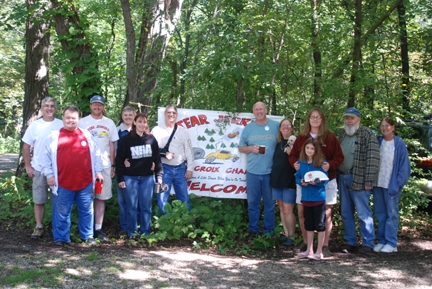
<point x="255" y="134"/>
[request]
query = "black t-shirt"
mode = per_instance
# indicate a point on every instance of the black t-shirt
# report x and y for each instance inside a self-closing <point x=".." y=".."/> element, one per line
<point x="282" y="174"/>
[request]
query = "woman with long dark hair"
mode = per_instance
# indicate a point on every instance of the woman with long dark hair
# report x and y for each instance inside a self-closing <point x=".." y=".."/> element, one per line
<point x="315" y="127"/>
<point x="142" y="150"/>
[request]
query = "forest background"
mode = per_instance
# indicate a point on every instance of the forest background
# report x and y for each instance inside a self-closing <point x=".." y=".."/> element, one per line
<point x="220" y="55"/>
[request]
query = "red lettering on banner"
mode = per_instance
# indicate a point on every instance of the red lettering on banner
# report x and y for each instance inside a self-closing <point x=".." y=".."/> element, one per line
<point x="235" y="171"/>
<point x="217" y="188"/>
<point x="192" y="121"/>
<point x="207" y="169"/>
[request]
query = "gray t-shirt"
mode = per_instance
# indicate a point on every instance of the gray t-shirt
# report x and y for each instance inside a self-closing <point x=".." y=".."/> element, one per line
<point x="348" y="146"/>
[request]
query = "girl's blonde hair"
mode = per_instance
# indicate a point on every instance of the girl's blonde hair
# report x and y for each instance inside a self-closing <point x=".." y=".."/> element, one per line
<point x="318" y="157"/>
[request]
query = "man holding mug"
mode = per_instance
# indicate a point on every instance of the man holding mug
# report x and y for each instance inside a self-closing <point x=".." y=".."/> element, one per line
<point x="258" y="141"/>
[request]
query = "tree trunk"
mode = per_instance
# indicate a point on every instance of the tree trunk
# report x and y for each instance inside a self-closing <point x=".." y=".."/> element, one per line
<point x="84" y="75"/>
<point x="356" y="56"/>
<point x="157" y="25"/>
<point x="36" y="69"/>
<point x="404" y="58"/>
<point x="317" y="99"/>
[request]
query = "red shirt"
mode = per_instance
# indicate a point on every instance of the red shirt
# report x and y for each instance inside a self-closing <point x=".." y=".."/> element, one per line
<point x="73" y="160"/>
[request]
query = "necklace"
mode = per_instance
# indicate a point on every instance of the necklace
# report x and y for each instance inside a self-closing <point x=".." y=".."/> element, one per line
<point x="283" y="148"/>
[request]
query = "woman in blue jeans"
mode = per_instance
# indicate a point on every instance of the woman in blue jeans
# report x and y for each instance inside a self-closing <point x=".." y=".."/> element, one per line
<point x="393" y="174"/>
<point x="142" y="150"/>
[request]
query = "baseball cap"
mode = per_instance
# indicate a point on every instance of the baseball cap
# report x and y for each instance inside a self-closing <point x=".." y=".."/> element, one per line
<point x="352" y="111"/>
<point x="97" y="98"/>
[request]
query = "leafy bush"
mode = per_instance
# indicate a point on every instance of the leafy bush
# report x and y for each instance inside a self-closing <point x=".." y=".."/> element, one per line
<point x="9" y="145"/>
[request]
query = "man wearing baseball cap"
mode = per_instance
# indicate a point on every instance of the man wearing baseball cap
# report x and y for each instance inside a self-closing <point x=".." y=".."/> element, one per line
<point x="105" y="134"/>
<point x="357" y="175"/>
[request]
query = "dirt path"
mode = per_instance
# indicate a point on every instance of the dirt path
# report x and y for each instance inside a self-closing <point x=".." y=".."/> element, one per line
<point x="8" y="162"/>
<point x="124" y="265"/>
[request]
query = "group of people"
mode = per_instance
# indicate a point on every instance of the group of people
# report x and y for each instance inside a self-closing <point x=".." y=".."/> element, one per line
<point x="71" y="155"/>
<point x="356" y="163"/>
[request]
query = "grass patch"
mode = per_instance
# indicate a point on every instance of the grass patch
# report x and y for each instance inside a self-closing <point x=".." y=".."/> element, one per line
<point x="44" y="277"/>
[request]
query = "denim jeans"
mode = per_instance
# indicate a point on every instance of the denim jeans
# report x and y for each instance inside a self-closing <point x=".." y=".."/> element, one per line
<point x="174" y="176"/>
<point x="387" y="213"/>
<point x="122" y="205"/>
<point x="258" y="187"/>
<point x="139" y="192"/>
<point x="62" y="207"/>
<point x="356" y="200"/>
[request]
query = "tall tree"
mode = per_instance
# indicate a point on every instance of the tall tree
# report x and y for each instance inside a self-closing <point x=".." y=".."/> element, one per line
<point x="81" y="65"/>
<point x="37" y="43"/>
<point x="144" y="59"/>
<point x="404" y="57"/>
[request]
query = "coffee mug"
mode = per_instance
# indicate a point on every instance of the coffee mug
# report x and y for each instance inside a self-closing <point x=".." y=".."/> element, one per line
<point x="160" y="188"/>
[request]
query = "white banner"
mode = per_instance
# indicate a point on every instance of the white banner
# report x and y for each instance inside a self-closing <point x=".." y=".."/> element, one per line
<point x="220" y="170"/>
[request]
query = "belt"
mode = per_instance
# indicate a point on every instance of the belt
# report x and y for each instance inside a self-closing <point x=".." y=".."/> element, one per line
<point x="345" y="173"/>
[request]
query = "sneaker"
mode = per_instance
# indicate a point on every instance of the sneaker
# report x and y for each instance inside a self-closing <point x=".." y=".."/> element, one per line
<point x="349" y="249"/>
<point x="300" y="248"/>
<point x="288" y="242"/>
<point x="100" y="235"/>
<point x="365" y="250"/>
<point x="252" y="235"/>
<point x="388" y="249"/>
<point x="282" y="237"/>
<point x="326" y="252"/>
<point x="89" y="241"/>
<point x="37" y="233"/>
<point x="378" y="247"/>
<point x="60" y="243"/>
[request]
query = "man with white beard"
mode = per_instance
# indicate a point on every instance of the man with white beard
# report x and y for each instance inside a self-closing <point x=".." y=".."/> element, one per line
<point x="356" y="177"/>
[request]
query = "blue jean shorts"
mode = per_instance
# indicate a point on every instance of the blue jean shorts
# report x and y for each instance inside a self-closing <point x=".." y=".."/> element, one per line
<point x="288" y="196"/>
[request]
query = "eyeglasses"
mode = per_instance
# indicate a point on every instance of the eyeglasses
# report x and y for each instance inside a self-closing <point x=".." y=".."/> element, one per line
<point x="385" y="126"/>
<point x="317" y="117"/>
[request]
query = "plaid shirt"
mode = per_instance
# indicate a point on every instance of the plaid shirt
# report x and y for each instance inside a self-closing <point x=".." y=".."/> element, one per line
<point x="366" y="159"/>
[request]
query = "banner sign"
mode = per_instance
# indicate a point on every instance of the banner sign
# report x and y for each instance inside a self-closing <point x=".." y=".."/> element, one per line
<point x="220" y="169"/>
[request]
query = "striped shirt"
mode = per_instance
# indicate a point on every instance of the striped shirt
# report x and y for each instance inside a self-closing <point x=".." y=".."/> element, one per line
<point x="366" y="159"/>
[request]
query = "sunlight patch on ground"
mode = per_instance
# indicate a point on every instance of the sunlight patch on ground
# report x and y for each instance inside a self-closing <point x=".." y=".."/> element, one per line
<point x="80" y="272"/>
<point x="180" y="256"/>
<point x="137" y="275"/>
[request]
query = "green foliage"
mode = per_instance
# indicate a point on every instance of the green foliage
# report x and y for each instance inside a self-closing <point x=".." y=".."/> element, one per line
<point x="43" y="276"/>
<point x="210" y="222"/>
<point x="9" y="144"/>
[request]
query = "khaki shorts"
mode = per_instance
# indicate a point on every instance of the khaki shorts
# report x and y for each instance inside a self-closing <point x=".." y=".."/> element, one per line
<point x="107" y="186"/>
<point x="40" y="188"/>
<point x="331" y="193"/>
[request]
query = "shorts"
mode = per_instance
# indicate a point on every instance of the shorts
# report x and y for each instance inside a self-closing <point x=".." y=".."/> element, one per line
<point x="331" y="193"/>
<point x="40" y="188"/>
<point x="107" y="186"/>
<point x="288" y="196"/>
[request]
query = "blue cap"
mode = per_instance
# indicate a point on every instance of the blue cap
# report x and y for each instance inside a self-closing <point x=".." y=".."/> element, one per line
<point x="97" y="98"/>
<point x="352" y="111"/>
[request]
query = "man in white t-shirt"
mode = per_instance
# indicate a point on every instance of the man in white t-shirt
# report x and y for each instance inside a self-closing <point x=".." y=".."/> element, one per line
<point x="34" y="136"/>
<point x="105" y="134"/>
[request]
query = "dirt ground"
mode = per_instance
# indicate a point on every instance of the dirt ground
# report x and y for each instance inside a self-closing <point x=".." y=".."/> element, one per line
<point x="127" y="264"/>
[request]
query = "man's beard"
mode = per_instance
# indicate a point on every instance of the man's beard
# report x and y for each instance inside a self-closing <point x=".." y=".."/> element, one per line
<point x="351" y="130"/>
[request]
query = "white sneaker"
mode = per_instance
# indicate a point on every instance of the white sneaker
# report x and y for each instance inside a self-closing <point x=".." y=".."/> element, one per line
<point x="388" y="249"/>
<point x="378" y="247"/>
